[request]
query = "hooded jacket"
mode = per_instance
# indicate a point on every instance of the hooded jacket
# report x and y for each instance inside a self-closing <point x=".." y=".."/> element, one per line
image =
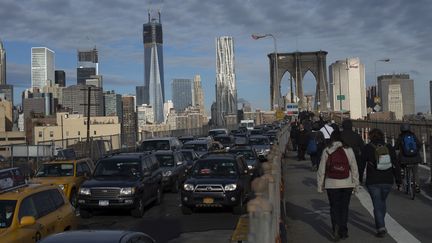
<point x="328" y="183"/>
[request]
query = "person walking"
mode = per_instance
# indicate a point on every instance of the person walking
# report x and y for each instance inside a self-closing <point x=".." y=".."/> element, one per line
<point x="327" y="131"/>
<point x="338" y="175"/>
<point x="315" y="145"/>
<point x="409" y="152"/>
<point x="294" y="134"/>
<point x="354" y="141"/>
<point x="303" y="138"/>
<point x="382" y="170"/>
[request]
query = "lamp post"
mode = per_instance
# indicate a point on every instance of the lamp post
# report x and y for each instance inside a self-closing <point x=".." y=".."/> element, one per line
<point x="275" y="72"/>
<point x="378" y="99"/>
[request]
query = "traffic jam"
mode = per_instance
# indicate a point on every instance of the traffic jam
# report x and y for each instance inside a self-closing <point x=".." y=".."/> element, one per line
<point x="213" y="171"/>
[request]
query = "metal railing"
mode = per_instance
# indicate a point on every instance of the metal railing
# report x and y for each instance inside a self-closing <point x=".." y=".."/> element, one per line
<point x="265" y="209"/>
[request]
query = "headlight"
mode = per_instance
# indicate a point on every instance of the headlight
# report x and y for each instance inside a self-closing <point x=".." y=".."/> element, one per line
<point x="188" y="187"/>
<point x="84" y="191"/>
<point x="167" y="173"/>
<point x="230" y="187"/>
<point x="267" y="150"/>
<point x="250" y="167"/>
<point x="127" y="191"/>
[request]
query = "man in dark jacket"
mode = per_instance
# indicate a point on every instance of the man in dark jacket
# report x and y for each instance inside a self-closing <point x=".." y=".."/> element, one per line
<point x="354" y="141"/>
<point x="379" y="178"/>
<point x="317" y="136"/>
<point x="303" y="138"/>
<point x="294" y="132"/>
<point x="405" y="159"/>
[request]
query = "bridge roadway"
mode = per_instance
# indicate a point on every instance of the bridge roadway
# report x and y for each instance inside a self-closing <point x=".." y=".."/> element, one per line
<point x="307" y="215"/>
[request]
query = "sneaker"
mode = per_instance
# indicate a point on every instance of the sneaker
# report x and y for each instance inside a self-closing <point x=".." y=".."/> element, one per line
<point x="381" y="233"/>
<point x="336" y="236"/>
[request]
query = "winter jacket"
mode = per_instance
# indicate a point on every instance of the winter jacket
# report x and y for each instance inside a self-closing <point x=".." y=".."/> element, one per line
<point x="328" y="183"/>
<point x="399" y="146"/>
<point x="375" y="176"/>
<point x="319" y="138"/>
<point x="303" y="138"/>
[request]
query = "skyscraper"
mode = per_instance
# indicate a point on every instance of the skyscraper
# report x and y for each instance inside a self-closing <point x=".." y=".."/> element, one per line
<point x="430" y="95"/>
<point x="2" y="64"/>
<point x="347" y="89"/>
<point x="153" y="66"/>
<point x="60" y="78"/>
<point x="113" y="104"/>
<point x="397" y="94"/>
<point x="226" y="92"/>
<point x="141" y="93"/>
<point x="42" y="66"/>
<point x="129" y="121"/>
<point x="88" y="64"/>
<point x="182" y="94"/>
<point x="198" y="94"/>
<point x="75" y="98"/>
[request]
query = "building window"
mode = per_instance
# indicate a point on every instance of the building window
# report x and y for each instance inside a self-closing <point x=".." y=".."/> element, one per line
<point x="40" y="134"/>
<point x="51" y="134"/>
<point x="94" y="132"/>
<point x="79" y="133"/>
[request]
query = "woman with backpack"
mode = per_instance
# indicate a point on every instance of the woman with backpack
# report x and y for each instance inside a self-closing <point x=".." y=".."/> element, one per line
<point x="382" y="170"/>
<point x="338" y="175"/>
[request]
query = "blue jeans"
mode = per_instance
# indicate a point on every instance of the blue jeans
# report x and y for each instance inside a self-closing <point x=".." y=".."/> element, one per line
<point x="378" y="194"/>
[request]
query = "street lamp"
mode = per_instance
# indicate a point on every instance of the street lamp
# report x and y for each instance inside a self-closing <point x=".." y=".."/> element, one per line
<point x="275" y="72"/>
<point x="378" y="99"/>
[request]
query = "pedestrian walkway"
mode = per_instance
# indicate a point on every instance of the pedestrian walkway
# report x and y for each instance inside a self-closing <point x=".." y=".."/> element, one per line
<point x="308" y="213"/>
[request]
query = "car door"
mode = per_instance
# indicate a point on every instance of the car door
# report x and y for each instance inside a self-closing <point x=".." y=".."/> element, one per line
<point x="45" y="208"/>
<point x="31" y="233"/>
<point x="62" y="213"/>
<point x="146" y="185"/>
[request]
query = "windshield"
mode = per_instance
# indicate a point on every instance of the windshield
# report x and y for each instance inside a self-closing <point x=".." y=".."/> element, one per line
<point x="187" y="155"/>
<point x="215" y="168"/>
<point x="216" y="132"/>
<point x="56" y="170"/>
<point x="258" y="141"/>
<point x="7" y="209"/>
<point x="196" y="147"/>
<point x="118" y="168"/>
<point x="155" y="145"/>
<point x="247" y="154"/>
<point x="223" y="140"/>
<point x="165" y="160"/>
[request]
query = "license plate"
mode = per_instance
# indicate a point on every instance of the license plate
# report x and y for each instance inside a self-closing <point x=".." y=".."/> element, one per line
<point x="103" y="202"/>
<point x="208" y="200"/>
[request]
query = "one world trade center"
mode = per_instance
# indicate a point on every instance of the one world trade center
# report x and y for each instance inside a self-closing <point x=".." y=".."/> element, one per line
<point x="154" y="93"/>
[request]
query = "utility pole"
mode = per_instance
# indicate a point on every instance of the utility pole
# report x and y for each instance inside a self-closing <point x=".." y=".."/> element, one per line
<point x="89" y="89"/>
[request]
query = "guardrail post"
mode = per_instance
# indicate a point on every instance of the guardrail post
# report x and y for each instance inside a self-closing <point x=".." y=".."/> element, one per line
<point x="260" y="210"/>
<point x="424" y="149"/>
<point x="393" y="141"/>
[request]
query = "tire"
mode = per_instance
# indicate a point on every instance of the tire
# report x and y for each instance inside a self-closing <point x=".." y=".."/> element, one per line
<point x="186" y="210"/>
<point x="73" y="198"/>
<point x="159" y="196"/>
<point x="138" y="211"/>
<point x="85" y="214"/>
<point x="412" y="186"/>
<point x="175" y="186"/>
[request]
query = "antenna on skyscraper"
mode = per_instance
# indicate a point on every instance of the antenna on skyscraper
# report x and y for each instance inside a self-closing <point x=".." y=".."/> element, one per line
<point x="159" y="14"/>
<point x="148" y="12"/>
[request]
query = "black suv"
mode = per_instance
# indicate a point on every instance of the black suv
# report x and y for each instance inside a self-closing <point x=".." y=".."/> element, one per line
<point x="173" y="166"/>
<point x="216" y="180"/>
<point x="125" y="181"/>
<point x="251" y="157"/>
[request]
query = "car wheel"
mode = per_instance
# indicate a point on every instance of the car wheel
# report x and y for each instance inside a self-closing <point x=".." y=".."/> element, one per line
<point x="138" y="211"/>
<point x="159" y="196"/>
<point x="85" y="214"/>
<point x="186" y="210"/>
<point x="74" y="199"/>
<point x="175" y="187"/>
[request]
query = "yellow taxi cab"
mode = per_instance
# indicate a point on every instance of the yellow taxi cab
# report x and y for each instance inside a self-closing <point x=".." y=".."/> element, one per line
<point x="30" y="212"/>
<point x="67" y="174"/>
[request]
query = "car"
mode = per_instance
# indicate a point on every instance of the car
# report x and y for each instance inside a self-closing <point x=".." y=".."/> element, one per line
<point x="256" y="131"/>
<point x="99" y="236"/>
<point x="67" y="174"/>
<point x="227" y="141"/>
<point x="217" y="131"/>
<point x="271" y="134"/>
<point x="190" y="156"/>
<point x="184" y="139"/>
<point x="173" y="166"/>
<point x="261" y="144"/>
<point x="200" y="146"/>
<point x="216" y="180"/>
<point x="154" y="144"/>
<point x="122" y="181"/>
<point x="241" y="140"/>
<point x="251" y="157"/>
<point x="30" y="212"/>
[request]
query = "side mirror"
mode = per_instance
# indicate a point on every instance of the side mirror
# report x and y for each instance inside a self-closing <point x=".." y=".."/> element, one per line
<point x="27" y="221"/>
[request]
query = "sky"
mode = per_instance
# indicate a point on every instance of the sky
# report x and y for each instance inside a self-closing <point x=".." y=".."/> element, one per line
<point x="369" y="29"/>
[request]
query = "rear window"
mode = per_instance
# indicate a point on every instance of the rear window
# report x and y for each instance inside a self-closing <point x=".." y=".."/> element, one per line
<point x="155" y="145"/>
<point x="196" y="147"/>
<point x="56" y="170"/>
<point x="258" y="141"/>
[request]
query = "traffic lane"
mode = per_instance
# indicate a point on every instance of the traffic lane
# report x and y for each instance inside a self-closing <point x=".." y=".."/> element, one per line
<point x="164" y="222"/>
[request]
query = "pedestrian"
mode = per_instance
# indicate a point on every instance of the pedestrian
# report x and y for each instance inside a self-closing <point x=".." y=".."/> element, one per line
<point x="315" y="145"/>
<point x="409" y="152"/>
<point x="303" y="138"/>
<point x="354" y="141"/>
<point x="382" y="170"/>
<point x="294" y="134"/>
<point x="338" y="175"/>
<point x="327" y="131"/>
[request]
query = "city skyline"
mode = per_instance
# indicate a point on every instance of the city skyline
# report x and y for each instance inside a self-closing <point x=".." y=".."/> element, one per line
<point x="371" y="35"/>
